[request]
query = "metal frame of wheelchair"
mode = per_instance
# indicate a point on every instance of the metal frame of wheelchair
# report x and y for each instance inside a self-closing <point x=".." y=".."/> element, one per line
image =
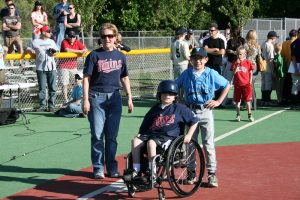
<point x="172" y="166"/>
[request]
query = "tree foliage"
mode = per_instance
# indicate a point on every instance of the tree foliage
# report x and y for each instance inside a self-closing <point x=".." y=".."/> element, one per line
<point x="162" y="14"/>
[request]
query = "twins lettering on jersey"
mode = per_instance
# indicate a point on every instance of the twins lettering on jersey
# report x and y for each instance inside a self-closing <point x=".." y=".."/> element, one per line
<point x="161" y="121"/>
<point x="241" y="69"/>
<point x="108" y="66"/>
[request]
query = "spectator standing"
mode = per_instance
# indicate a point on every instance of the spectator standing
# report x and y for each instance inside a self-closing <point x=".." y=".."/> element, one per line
<point x="215" y="48"/>
<point x="279" y="72"/>
<point x="269" y="74"/>
<point x="5" y="11"/>
<point x="59" y="13"/>
<point x="45" y="48"/>
<point x="199" y="83"/>
<point x="11" y="26"/>
<point x="242" y="81"/>
<point x="294" y="69"/>
<point x="180" y="54"/>
<point x="203" y="36"/>
<point x="253" y="50"/>
<point x="232" y="45"/>
<point x="104" y="68"/>
<point x="72" y="21"/>
<point x="69" y="66"/>
<point x="190" y="39"/>
<point x="227" y="33"/>
<point x="39" y="19"/>
<point x="287" y="58"/>
<point x="3" y="51"/>
<point x="120" y="46"/>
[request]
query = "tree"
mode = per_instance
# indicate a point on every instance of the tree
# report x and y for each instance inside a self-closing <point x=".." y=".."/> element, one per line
<point x="239" y="11"/>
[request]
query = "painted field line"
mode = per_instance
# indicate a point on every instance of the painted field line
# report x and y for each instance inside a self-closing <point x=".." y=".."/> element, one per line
<point x="247" y="125"/>
<point x="114" y="187"/>
<point x="120" y="186"/>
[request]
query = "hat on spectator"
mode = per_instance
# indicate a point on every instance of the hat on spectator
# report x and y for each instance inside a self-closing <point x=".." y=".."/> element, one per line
<point x="71" y="34"/>
<point x="38" y="3"/>
<point x="180" y="30"/>
<point x="272" y="34"/>
<point x="190" y="31"/>
<point x="199" y="52"/>
<point x="45" y="28"/>
<point x="79" y="76"/>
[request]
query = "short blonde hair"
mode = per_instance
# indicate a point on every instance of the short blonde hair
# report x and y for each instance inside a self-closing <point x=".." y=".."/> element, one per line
<point x="278" y="47"/>
<point x="109" y="26"/>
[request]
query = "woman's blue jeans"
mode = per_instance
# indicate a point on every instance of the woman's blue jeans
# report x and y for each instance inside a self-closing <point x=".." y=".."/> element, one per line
<point x="104" y="117"/>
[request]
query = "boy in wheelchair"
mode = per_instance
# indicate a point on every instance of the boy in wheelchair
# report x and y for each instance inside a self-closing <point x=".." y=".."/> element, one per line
<point x="161" y="125"/>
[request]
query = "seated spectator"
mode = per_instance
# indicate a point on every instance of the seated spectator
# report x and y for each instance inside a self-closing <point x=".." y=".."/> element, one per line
<point x="73" y="108"/>
<point x="11" y="27"/>
<point x="39" y="19"/>
<point x="72" y="21"/>
<point x="120" y="46"/>
<point x="69" y="66"/>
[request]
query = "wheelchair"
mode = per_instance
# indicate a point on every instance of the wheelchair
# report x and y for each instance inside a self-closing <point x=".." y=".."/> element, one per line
<point x="177" y="165"/>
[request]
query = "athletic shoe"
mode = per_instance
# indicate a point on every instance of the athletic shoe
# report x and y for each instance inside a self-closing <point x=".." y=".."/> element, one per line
<point x="212" y="180"/>
<point x="250" y="117"/>
<point x="238" y="118"/>
<point x="99" y="175"/>
<point x="191" y="177"/>
<point x="114" y="175"/>
<point x="41" y="109"/>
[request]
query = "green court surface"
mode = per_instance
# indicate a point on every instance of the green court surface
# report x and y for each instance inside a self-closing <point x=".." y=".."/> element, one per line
<point x="51" y="146"/>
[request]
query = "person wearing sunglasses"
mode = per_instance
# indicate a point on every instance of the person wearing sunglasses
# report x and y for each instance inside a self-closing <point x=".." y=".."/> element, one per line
<point x="5" y="11"/>
<point x="215" y="48"/>
<point x="59" y="13"/>
<point x="11" y="26"/>
<point x="68" y="67"/>
<point x="72" y="21"/>
<point x="39" y="19"/>
<point x="104" y="69"/>
<point x="45" y="49"/>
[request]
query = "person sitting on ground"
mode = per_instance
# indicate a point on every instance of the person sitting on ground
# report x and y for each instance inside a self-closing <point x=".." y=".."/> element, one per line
<point x="242" y="81"/>
<point x="73" y="108"/>
<point x="161" y="125"/>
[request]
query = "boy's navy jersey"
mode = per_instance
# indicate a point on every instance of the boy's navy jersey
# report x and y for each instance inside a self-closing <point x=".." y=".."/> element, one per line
<point x="166" y="121"/>
<point x="106" y="68"/>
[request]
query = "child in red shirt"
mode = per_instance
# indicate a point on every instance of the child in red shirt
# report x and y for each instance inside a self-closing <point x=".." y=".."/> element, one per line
<point x="242" y="79"/>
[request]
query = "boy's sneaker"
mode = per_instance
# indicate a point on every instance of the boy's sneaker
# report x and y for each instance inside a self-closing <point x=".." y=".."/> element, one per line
<point x="99" y="175"/>
<point x="250" y="117"/>
<point x="212" y="180"/>
<point x="238" y="118"/>
<point x="191" y="177"/>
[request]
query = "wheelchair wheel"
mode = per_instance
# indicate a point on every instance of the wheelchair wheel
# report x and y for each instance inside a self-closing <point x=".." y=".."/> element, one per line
<point x="185" y="167"/>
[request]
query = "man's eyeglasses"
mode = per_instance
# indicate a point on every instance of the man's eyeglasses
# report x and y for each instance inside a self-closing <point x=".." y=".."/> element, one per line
<point x="110" y="36"/>
<point x="11" y="8"/>
<point x="212" y="30"/>
<point x="70" y="8"/>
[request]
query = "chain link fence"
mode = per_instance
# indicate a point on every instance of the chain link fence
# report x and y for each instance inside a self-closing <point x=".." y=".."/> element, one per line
<point x="146" y="69"/>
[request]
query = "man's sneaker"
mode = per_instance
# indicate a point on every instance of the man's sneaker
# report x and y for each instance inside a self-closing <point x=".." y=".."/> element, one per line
<point x="212" y="180"/>
<point x="114" y="175"/>
<point x="250" y="117"/>
<point x="99" y="175"/>
<point x="238" y="118"/>
<point x="41" y="109"/>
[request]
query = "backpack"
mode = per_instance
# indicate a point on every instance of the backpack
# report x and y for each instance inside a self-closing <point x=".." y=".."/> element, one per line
<point x="8" y="116"/>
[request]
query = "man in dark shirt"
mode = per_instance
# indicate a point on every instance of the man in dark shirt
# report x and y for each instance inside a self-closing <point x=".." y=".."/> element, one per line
<point x="215" y="48"/>
<point x="294" y="69"/>
<point x="5" y="11"/>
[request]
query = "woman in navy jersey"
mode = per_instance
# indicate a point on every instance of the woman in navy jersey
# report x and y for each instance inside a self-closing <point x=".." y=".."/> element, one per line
<point x="104" y="68"/>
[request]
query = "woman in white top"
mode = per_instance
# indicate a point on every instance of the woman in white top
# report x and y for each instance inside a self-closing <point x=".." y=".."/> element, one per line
<point x="39" y="19"/>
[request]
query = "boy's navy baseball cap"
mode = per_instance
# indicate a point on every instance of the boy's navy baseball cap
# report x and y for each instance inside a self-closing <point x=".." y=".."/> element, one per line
<point x="180" y="30"/>
<point x="79" y="76"/>
<point x="199" y="52"/>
